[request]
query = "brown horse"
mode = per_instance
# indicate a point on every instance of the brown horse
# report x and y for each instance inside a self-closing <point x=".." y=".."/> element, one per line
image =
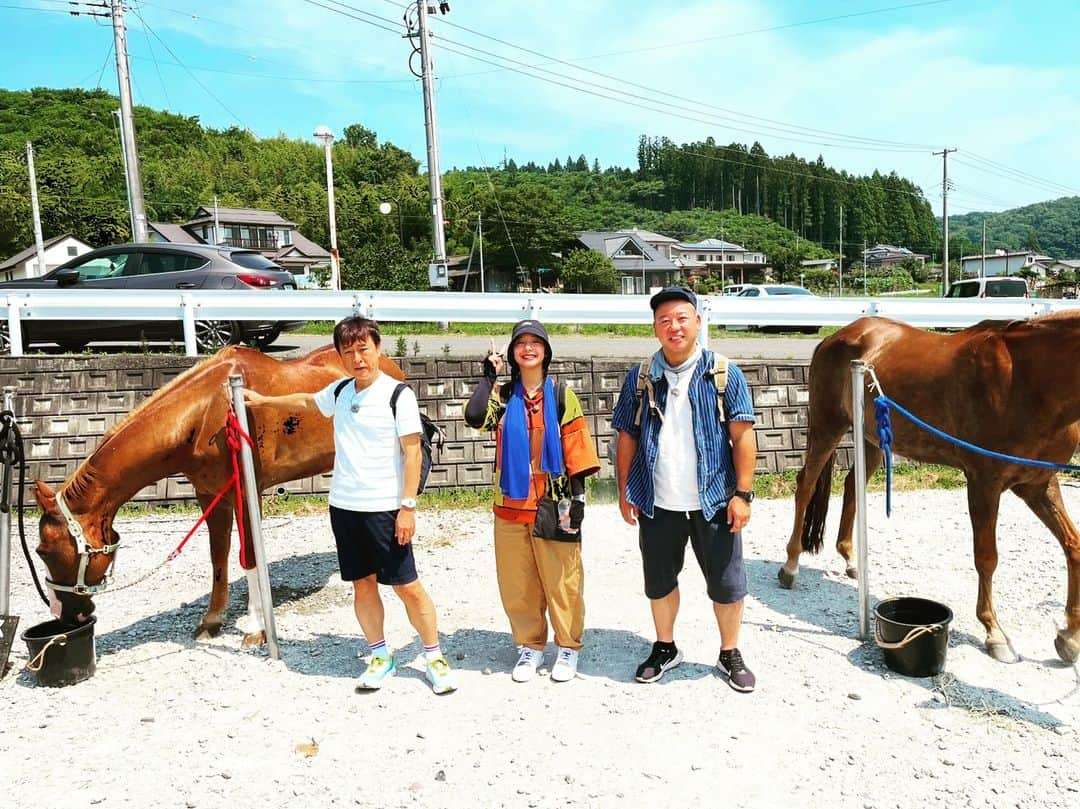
<point x="180" y="429"/>
<point x="1010" y="387"/>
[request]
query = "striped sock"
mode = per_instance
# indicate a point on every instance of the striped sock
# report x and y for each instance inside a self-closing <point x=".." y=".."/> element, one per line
<point x="378" y="649"/>
<point x="432" y="652"/>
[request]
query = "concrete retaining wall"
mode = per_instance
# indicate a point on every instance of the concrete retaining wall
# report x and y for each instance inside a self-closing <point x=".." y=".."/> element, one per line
<point x="65" y="404"/>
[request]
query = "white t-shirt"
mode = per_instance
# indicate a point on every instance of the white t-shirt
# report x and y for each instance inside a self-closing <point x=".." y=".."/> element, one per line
<point x="368" y="461"/>
<point x="675" y="483"/>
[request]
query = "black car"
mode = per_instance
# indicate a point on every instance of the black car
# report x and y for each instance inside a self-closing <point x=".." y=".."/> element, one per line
<point x="156" y="266"/>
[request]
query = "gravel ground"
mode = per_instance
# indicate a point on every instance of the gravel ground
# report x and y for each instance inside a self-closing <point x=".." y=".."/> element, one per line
<point x="169" y="721"/>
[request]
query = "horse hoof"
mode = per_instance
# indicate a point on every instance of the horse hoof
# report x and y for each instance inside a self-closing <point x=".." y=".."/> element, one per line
<point x="787" y="580"/>
<point x="206" y="631"/>
<point x="253" y="640"/>
<point x="1000" y="651"/>
<point x="852" y="572"/>
<point x="1068" y="649"/>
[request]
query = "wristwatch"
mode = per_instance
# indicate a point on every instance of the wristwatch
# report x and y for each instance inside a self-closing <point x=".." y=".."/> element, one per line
<point x="747" y="496"/>
<point x="408" y="503"/>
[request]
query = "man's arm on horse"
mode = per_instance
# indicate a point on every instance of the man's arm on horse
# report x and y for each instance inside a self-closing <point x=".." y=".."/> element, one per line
<point x="294" y="401"/>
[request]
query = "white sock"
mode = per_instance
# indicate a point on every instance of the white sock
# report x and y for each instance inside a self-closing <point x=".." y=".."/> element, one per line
<point x="432" y="653"/>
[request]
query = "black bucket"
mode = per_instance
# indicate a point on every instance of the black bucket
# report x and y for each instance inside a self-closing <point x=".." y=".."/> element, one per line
<point x="914" y="635"/>
<point x="61" y="654"/>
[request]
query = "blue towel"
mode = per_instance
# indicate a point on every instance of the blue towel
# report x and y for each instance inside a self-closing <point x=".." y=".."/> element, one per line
<point x="515" y="476"/>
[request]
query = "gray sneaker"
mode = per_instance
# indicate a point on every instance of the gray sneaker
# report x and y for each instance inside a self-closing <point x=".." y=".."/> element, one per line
<point x="739" y="677"/>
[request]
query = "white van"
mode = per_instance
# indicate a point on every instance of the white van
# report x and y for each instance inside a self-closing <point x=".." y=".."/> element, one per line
<point x="996" y="286"/>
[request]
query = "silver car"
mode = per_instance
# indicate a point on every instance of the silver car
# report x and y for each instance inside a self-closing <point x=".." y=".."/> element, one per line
<point x="157" y="266"/>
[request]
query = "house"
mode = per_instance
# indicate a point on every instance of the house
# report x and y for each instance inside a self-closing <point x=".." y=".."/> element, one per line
<point x="1004" y="262"/>
<point x="716" y="257"/>
<point x="272" y="235"/>
<point x="819" y="264"/>
<point x="886" y="255"/>
<point x="639" y="265"/>
<point x="58" y="250"/>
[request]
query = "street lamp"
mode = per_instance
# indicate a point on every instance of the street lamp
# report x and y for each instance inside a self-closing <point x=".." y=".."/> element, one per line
<point x="326" y="138"/>
<point x="385" y="208"/>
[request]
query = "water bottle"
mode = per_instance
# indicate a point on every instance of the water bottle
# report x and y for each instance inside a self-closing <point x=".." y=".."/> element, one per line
<point x="564" y="515"/>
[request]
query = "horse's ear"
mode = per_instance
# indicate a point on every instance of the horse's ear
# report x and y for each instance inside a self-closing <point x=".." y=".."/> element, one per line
<point x="45" y="495"/>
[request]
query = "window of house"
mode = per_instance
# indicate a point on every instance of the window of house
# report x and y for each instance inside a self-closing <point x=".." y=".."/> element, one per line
<point x="701" y="257"/>
<point x="72" y="251"/>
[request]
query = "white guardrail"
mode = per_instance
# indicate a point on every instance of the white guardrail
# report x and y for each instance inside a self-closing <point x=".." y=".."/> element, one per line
<point x="473" y="307"/>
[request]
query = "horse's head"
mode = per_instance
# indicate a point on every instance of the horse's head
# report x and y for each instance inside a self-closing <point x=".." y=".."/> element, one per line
<point x="76" y="553"/>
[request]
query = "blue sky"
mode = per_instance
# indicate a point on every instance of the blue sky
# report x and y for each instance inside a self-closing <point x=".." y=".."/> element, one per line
<point x="996" y="80"/>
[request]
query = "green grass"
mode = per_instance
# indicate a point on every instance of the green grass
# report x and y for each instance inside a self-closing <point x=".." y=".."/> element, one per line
<point x="906" y="477"/>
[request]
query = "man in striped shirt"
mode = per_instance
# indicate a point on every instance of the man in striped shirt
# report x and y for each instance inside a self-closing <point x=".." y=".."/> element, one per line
<point x="686" y="472"/>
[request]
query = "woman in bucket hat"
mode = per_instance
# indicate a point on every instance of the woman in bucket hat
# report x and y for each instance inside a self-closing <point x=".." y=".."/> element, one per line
<point x="543" y="454"/>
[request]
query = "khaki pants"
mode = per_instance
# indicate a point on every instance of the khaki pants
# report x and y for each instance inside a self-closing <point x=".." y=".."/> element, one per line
<point x="538" y="576"/>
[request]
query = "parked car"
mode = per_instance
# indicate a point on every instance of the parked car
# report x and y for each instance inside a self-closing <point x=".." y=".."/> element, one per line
<point x="990" y="287"/>
<point x="786" y="291"/>
<point x="734" y="289"/>
<point x="156" y="266"/>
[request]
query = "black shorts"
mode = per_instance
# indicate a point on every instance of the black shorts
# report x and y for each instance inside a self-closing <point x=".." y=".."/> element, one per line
<point x="366" y="544"/>
<point x="662" y="540"/>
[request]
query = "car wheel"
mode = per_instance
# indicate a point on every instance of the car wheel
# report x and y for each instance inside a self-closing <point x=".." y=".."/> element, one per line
<point x="72" y="346"/>
<point x="212" y="335"/>
<point x="264" y="340"/>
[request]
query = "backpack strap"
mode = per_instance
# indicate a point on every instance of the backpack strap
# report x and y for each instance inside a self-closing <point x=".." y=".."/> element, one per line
<point x="394" y="397"/>
<point x="341" y="386"/>
<point x="718" y="372"/>
<point x="645" y="386"/>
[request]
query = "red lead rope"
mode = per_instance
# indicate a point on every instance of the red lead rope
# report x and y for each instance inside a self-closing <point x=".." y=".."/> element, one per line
<point x="234" y="433"/>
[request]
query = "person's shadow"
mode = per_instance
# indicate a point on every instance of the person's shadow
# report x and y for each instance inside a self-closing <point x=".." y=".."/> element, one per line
<point x="837" y="614"/>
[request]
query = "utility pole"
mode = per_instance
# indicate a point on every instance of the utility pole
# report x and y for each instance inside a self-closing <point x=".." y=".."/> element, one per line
<point x="945" y="215"/>
<point x="438" y="275"/>
<point x="326" y="138"/>
<point x="38" y="241"/>
<point x="982" y="269"/>
<point x="123" y="161"/>
<point x="480" y="234"/>
<point x="841" y="251"/>
<point x="127" y="125"/>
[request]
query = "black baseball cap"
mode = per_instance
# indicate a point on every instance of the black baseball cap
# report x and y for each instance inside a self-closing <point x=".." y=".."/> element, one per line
<point x="673" y="294"/>
<point x="536" y="329"/>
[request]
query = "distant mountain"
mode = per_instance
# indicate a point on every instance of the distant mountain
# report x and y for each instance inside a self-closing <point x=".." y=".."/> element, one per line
<point x="1051" y="227"/>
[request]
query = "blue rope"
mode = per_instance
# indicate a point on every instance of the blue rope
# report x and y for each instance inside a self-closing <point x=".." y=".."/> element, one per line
<point x="885" y="402"/>
<point x="885" y="439"/>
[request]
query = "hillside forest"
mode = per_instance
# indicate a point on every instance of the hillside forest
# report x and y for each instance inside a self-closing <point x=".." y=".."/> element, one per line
<point x="783" y="205"/>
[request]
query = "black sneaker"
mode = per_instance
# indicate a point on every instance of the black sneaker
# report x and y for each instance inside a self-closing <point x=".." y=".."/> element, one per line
<point x="738" y="675"/>
<point x="664" y="656"/>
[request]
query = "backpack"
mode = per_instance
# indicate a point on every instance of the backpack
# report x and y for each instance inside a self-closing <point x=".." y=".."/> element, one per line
<point x="431" y="434"/>
<point x="718" y="372"/>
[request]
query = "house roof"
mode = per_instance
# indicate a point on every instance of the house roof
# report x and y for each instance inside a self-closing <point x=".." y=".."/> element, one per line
<point x="651" y="236"/>
<point x="174" y="234"/>
<point x="301" y="246"/>
<point x="710" y="244"/>
<point x="238" y="216"/>
<point x="23" y="255"/>
<point x="613" y="244"/>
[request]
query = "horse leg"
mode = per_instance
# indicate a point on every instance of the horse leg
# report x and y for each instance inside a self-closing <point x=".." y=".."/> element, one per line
<point x="983" y="501"/>
<point x="819" y="456"/>
<point x="252" y="623"/>
<point x="219" y="524"/>
<point x="874" y="456"/>
<point x="1045" y="501"/>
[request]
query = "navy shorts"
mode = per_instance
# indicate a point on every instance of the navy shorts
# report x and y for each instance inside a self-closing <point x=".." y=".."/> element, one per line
<point x="662" y="540"/>
<point x="366" y="544"/>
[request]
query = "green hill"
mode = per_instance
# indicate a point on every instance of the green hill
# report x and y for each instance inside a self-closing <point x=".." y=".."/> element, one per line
<point x="785" y="205"/>
<point x="1048" y="227"/>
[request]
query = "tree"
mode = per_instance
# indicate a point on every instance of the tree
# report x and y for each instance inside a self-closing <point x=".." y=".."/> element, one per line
<point x="384" y="265"/>
<point x="589" y="271"/>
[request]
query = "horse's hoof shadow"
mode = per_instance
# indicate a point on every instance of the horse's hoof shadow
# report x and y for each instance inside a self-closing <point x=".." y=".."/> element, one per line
<point x="787" y="580"/>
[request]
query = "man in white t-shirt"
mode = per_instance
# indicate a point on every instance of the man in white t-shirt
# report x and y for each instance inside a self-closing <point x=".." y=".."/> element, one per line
<point x="377" y="460"/>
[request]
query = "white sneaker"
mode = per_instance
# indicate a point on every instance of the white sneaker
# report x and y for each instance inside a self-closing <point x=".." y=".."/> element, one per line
<point x="565" y="668"/>
<point x="528" y="663"/>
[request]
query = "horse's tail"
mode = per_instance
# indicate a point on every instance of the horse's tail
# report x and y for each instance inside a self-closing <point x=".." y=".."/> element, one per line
<point x="813" y="535"/>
